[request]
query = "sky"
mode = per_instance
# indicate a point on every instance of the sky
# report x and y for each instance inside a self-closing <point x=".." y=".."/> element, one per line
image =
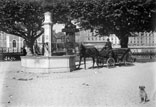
<point x="58" y="27"/>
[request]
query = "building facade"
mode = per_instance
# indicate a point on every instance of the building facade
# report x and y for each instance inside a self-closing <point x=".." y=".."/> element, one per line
<point x="12" y="43"/>
<point x="143" y="39"/>
<point x="140" y="40"/>
<point x="89" y="37"/>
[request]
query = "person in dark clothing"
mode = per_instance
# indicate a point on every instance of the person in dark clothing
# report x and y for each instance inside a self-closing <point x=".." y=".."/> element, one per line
<point x="108" y="48"/>
<point x="108" y="45"/>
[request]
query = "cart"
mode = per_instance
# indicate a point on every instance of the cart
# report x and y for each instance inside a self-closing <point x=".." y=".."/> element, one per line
<point x="115" y="56"/>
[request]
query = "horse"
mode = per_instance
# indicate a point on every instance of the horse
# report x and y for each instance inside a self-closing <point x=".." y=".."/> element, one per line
<point x="88" y="51"/>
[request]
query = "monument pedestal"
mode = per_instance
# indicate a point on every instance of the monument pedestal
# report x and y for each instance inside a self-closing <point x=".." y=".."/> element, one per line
<point x="43" y="64"/>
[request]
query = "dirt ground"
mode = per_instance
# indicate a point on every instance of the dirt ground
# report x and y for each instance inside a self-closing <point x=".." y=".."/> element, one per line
<point x="103" y="87"/>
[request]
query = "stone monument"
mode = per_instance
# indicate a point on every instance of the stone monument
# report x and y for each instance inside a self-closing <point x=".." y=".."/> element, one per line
<point x="48" y="63"/>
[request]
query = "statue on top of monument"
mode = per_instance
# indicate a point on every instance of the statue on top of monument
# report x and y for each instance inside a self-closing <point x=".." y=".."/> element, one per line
<point x="46" y="49"/>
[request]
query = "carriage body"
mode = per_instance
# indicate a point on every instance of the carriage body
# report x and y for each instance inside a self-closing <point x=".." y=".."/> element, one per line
<point x="123" y="55"/>
<point x="115" y="56"/>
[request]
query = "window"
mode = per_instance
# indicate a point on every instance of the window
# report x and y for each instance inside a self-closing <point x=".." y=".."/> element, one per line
<point x="14" y="43"/>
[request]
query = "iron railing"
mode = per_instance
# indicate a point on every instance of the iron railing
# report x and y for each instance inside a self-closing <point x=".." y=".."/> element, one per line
<point x="10" y="54"/>
<point x="144" y="52"/>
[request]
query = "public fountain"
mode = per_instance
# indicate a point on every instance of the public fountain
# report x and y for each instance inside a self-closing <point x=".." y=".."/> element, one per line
<point x="49" y="63"/>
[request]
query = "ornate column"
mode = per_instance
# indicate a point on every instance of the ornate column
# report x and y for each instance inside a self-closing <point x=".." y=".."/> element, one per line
<point x="47" y="25"/>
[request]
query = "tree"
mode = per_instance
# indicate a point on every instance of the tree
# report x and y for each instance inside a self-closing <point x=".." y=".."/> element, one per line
<point x="23" y="19"/>
<point x="60" y="10"/>
<point x="120" y="17"/>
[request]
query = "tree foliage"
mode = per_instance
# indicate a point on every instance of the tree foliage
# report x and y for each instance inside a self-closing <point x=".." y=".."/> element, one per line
<point x="22" y="18"/>
<point x="60" y="11"/>
<point x="120" y="17"/>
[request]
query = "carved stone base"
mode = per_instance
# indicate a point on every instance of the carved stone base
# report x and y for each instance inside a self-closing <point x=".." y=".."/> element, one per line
<point x="42" y="64"/>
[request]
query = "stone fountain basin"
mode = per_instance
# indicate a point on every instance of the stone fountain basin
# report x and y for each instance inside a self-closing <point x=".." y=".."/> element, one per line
<point x="43" y="64"/>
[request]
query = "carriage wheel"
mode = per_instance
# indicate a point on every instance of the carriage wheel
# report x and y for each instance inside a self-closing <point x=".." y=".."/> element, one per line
<point x="110" y="62"/>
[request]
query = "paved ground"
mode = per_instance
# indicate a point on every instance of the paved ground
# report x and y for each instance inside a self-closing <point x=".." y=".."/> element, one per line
<point x="115" y="87"/>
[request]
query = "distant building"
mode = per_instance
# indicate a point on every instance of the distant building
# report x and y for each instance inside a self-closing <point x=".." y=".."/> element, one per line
<point x="88" y="37"/>
<point x="143" y="39"/>
<point x="12" y="43"/>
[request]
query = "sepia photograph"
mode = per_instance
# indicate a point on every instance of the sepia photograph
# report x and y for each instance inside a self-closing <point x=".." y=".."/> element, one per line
<point x="77" y="53"/>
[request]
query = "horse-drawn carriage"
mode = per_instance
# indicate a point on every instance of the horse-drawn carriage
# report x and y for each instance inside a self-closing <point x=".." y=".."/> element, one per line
<point x="110" y="57"/>
<point x="115" y="56"/>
